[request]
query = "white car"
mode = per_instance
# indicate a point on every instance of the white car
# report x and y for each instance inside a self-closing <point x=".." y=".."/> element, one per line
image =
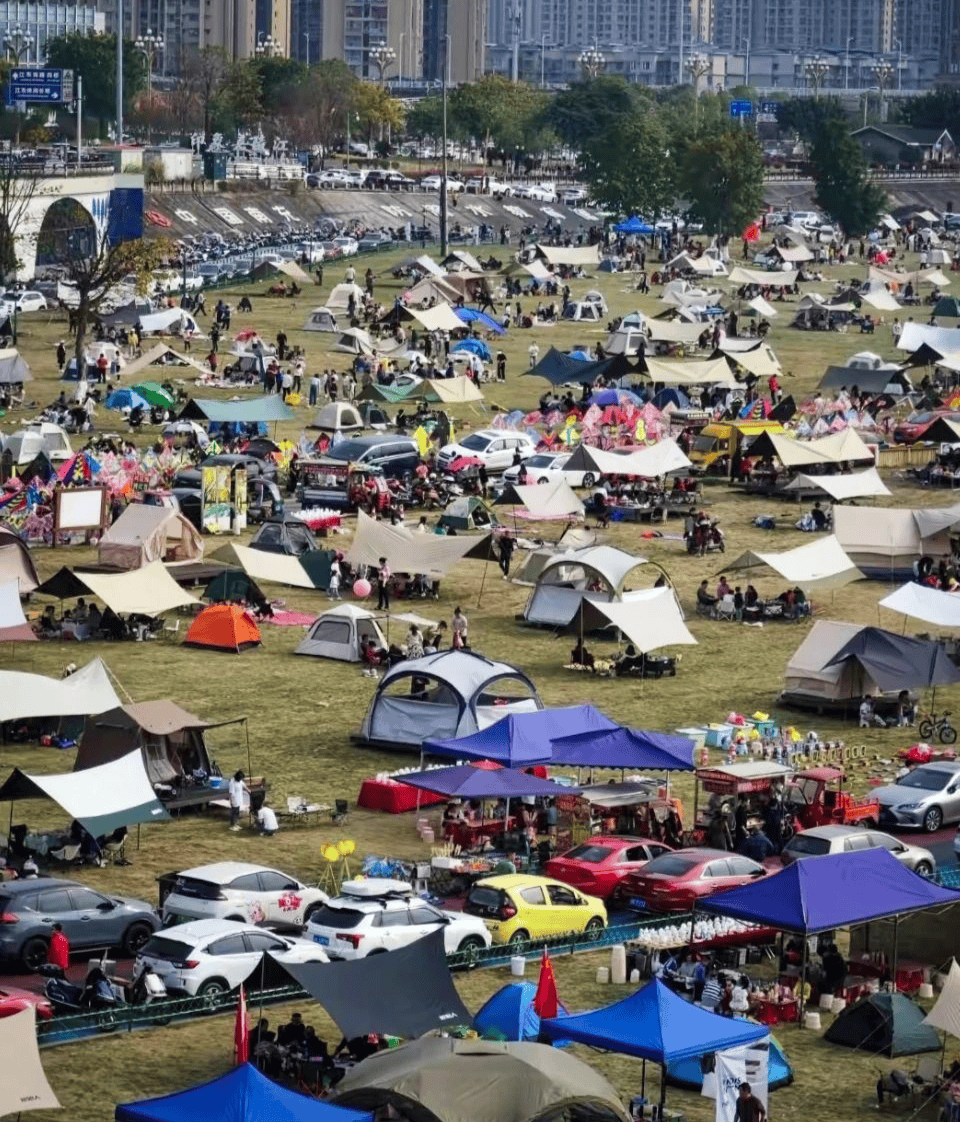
<point x="377" y="915"/>
<point x="547" y="467"/>
<point x="432" y="183"/>
<point x="213" y="956"/>
<point x="493" y="447"/>
<point x="536" y="192"/>
<point x="332" y="178"/>
<point x="349" y="247"/>
<point x="242" y="892"/>
<point x="573" y="195"/>
<point x="23" y="302"/>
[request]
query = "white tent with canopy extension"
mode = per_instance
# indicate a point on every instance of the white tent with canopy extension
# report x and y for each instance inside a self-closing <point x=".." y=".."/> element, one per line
<point x="857" y="485"/>
<point x="85" y="692"/>
<point x="648" y="463"/>
<point x="649" y="618"/>
<point x="598" y="573"/>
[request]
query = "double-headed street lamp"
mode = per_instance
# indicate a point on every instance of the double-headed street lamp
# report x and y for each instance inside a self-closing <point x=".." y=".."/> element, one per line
<point x="149" y="45"/>
<point x="592" y="61"/>
<point x="17" y="43"/>
<point x="817" y="69"/>
<point x="884" y="73"/>
<point x="697" y="66"/>
<point x="383" y="56"/>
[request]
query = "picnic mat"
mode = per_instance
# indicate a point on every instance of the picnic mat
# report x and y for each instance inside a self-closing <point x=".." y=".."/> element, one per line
<point x="289" y="619"/>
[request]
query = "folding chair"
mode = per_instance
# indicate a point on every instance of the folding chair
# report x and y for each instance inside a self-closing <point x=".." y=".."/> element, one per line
<point x="341" y="809"/>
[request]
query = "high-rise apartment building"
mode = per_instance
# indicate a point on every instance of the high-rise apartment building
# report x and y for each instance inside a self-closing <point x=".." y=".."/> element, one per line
<point x="353" y="29"/>
<point x="186" y="26"/>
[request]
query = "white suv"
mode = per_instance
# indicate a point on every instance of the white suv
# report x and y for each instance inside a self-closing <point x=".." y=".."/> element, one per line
<point x="377" y="915"/>
<point x="493" y="446"/>
<point x="241" y="892"/>
<point x="213" y="956"/>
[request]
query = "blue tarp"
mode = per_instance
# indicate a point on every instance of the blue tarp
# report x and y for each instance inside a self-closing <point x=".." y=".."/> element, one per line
<point x="471" y="782"/>
<point x="474" y="346"/>
<point x="126" y="399"/>
<point x="522" y="738"/>
<point x="472" y="315"/>
<point x="268" y="407"/>
<point x="822" y="893"/>
<point x="654" y="1024"/>
<point x="242" y="1095"/>
<point x="509" y="1014"/>
<point x="634" y="226"/>
<point x="626" y="748"/>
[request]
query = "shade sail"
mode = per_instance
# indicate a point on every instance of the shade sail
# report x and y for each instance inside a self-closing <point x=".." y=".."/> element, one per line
<point x="242" y="1095"/>
<point x="559" y="368"/>
<point x="654" y="1024"/>
<point x="639" y="749"/>
<point x="740" y="275"/>
<point x="102" y="798"/>
<point x="440" y="317"/>
<point x="13" y="623"/>
<point x="471" y="782"/>
<point x="522" y="738"/>
<point x="650" y="462"/>
<point x="816" y="567"/>
<point x="857" y="485"/>
<point x="269" y="407"/>
<point x="554" y="500"/>
<point x="158" y="360"/>
<point x="405" y="992"/>
<point x="712" y="372"/>
<point x="929" y="604"/>
<point x="405" y="550"/>
<point x="649" y="619"/>
<point x="83" y="693"/>
<point x="276" y="567"/>
<point x="897" y="662"/>
<point x="150" y="591"/>
<point x="839" y="890"/>
<point x="24" y="1085"/>
<point x="945" y="1013"/>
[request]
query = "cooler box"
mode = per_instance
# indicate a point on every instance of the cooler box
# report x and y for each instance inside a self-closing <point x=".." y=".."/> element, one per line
<point x="720" y="736"/>
<point x="698" y="735"/>
<point x="767" y="730"/>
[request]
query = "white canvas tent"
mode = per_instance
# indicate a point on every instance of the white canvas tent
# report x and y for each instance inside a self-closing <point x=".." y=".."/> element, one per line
<point x="649" y="618"/>
<point x="945" y="1014"/>
<point x="24" y="1085"/>
<point x="407" y="552"/>
<point x="809" y="680"/>
<point x="149" y="591"/>
<point x="928" y="604"/>
<point x="321" y="319"/>
<point x="598" y="573"/>
<point x="339" y="298"/>
<point x="857" y="485"/>
<point x="819" y="566"/>
<point x="555" y="500"/>
<point x="339" y="632"/>
<point x="13" y="624"/>
<point x="143" y="534"/>
<point x="85" y="692"/>
<point x="648" y="463"/>
<point x="585" y="257"/>
<point x="430" y="289"/>
<point x="884" y="542"/>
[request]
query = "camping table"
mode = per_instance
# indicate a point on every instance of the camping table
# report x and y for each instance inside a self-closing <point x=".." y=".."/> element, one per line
<point x="394" y="797"/>
<point x="771" y="1012"/>
<point x="909" y="974"/>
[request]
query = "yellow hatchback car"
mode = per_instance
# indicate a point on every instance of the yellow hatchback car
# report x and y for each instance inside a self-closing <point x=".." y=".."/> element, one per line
<point x="517" y="907"/>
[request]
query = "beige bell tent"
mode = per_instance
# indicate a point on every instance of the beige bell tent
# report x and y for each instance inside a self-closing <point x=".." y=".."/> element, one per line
<point x="884" y="542"/>
<point x="149" y="533"/>
<point x="340" y="631"/>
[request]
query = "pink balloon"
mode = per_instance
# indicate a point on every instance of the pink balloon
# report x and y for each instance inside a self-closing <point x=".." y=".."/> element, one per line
<point x="361" y="589"/>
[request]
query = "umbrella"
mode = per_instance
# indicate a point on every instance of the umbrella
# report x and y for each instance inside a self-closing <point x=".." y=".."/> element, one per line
<point x="462" y="462"/>
<point x="155" y="394"/>
<point x="474" y="346"/>
<point x="126" y="399"/>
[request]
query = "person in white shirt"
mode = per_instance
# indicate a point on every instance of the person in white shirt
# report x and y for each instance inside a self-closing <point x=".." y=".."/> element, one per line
<point x="236" y="799"/>
<point x="267" y="821"/>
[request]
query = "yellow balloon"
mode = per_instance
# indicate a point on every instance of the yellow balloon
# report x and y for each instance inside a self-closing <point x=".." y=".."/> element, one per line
<point x="345" y="847"/>
<point x="332" y="853"/>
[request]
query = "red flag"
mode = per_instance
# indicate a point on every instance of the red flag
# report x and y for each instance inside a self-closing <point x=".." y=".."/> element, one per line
<point x="752" y="233"/>
<point x="241" y="1032"/>
<point x="545" y="1002"/>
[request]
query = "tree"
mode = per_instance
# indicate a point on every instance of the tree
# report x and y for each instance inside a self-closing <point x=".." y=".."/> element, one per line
<point x="720" y="171"/>
<point x="203" y="74"/>
<point x="806" y="116"/>
<point x="938" y="109"/>
<point x="238" y="99"/>
<point x="376" y="109"/>
<point x="94" y="58"/>
<point x="318" y="111"/>
<point x="844" y="189"/>
<point x="628" y="169"/>
<point x="588" y="108"/>
<point x="496" y="112"/>
<point x="18" y="188"/>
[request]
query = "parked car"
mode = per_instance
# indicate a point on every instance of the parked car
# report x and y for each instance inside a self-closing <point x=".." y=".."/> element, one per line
<point x="349" y="247"/>
<point x="29" y="908"/>
<point x="394" y="455"/>
<point x="599" y="865"/>
<point x="926" y="797"/>
<point x="547" y="467"/>
<point x="23" y="302"/>
<point x="494" y="447"/>
<point x="914" y="427"/>
<point x="377" y="914"/>
<point x="373" y="243"/>
<point x="432" y="183"/>
<point x="517" y="907"/>
<point x="821" y="840"/>
<point x="16" y="1000"/>
<point x="573" y="196"/>
<point x="242" y="892"/>
<point x="675" y="881"/>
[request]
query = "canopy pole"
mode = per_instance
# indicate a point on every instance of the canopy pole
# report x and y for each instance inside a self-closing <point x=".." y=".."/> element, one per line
<point x="116" y="681"/>
<point x="896" y="949"/>
<point x="643" y="1078"/>
<point x="663" y="1091"/>
<point x="803" y="982"/>
<point x="246" y="729"/>
<point x="483" y="578"/>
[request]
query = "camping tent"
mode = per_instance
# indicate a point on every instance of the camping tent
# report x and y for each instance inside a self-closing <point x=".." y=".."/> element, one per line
<point x="233" y="584"/>
<point x="408" y="551"/>
<point x="340" y="631"/>
<point x="885" y="1023"/>
<point x="87" y="690"/>
<point x="929" y="604"/>
<point x="895" y="662"/>
<point x="856" y="485"/>
<point x="440" y="1079"/>
<point x="149" y="591"/>
<point x="817" y="567"/>
<point x="689" y="1073"/>
<point x="338" y="416"/>
<point x="597" y="573"/>
<point x="244" y="1094"/>
<point x="320" y="319"/>
<point x="16" y="563"/>
<point x="149" y="533"/>
<point x="354" y="341"/>
<point x="13" y="623"/>
<point x="509" y="1014"/>
<point x="224" y="627"/>
<point x="469" y="512"/>
<point x="649" y="618"/>
<point x="283" y="536"/>
<point x="451" y="693"/>
<point x="13" y="368"/>
<point x="648" y="463"/>
<point x="339" y="299"/>
<point x="169" y="738"/>
<point x="25" y="1086"/>
<point x="118" y="793"/>
<point x="883" y="542"/>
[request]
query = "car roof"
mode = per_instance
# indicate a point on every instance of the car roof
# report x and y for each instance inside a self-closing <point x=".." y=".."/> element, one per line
<point x="222" y="871"/>
<point x="939" y="765"/>
<point x="519" y="880"/>
<point x="829" y="832"/>
<point x="200" y="929"/>
<point x="33" y="884"/>
<point x="607" y="840"/>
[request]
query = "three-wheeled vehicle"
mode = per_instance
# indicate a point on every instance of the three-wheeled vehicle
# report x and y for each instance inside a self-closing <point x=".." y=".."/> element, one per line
<point x="756" y="782"/>
<point x="816" y="797"/>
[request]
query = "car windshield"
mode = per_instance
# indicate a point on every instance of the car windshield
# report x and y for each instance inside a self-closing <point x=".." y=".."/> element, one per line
<point x="475" y="442"/>
<point x="704" y="443"/>
<point x="670" y="865"/>
<point x="539" y="461"/>
<point x="592" y="854"/>
<point x="919" y="418"/>
<point x="926" y="779"/>
<point x="809" y="846"/>
<point x="347" y="450"/>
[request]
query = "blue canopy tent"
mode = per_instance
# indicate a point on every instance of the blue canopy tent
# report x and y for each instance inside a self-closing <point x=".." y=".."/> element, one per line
<point x="242" y="1095"/>
<point x="624" y="748"/>
<point x="126" y="399"/>
<point x="655" y="1024"/>
<point x="475" y="347"/>
<point x="470" y="781"/>
<point x="633" y="225"/>
<point x="473" y="315"/>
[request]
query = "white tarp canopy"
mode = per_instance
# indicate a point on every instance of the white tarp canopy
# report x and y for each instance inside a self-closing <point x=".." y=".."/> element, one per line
<point x="279" y="568"/>
<point x="793" y="254"/>
<point x="945" y="1013"/>
<point x="835" y="448"/>
<point x="553" y="500"/>
<point x="430" y="288"/>
<point x="450" y="391"/>
<point x="85" y="692"/>
<point x="406" y="551"/>
<point x="944" y="340"/>
<point x="764" y="307"/>
<point x="671" y="331"/>
<point x="878" y="296"/>
<point x="922" y="276"/>
<point x="928" y="604"/>
<point x="817" y="567"/>
<point x="24" y="1085"/>
<point x="354" y="341"/>
<point x="13" y="623"/>
<point x="441" y="317"/>
<point x="648" y="463"/>
<point x="149" y="591"/>
<point x="858" y="485"/>
<point x="712" y="372"/>
<point x="739" y="275"/>
<point x="572" y="256"/>
<point x="759" y="360"/>
<point x="156" y="361"/>
<point x="170" y="321"/>
<point x="649" y="619"/>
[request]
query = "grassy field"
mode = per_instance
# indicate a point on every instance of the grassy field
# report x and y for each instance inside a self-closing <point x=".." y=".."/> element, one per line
<point x="303" y="711"/>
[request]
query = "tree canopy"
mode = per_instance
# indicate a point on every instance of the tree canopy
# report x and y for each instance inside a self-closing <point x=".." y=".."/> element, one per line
<point x="94" y="58"/>
<point x="720" y="172"/>
<point x="628" y="168"/>
<point x="844" y="190"/>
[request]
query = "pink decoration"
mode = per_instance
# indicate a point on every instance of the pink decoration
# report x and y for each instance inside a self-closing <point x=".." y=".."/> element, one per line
<point x="361" y="589"/>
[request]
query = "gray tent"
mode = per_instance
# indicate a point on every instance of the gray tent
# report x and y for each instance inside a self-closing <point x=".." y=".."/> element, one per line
<point x="13" y="368"/>
<point x="339" y="632"/>
<point x="596" y="573"/>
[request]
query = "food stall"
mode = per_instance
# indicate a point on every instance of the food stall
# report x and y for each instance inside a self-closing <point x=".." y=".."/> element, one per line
<point x="756" y="781"/>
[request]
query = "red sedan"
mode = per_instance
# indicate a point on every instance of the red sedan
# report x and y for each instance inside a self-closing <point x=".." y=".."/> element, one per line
<point x="15" y="1001"/>
<point x="598" y="866"/>
<point x="675" y="881"/>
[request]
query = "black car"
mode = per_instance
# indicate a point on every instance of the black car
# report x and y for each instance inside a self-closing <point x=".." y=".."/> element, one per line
<point x="396" y="456"/>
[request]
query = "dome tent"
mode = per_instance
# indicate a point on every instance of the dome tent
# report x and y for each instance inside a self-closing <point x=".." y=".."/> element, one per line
<point x="338" y="416"/>
<point x="339" y="632"/>
<point x="886" y="1023"/>
<point x="689" y="1073"/>
<point x="569" y="578"/>
<point x="451" y="693"/>
<point x="223" y="627"/>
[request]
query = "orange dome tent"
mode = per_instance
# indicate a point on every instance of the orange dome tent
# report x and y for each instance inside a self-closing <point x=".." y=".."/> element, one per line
<point x="224" y="627"/>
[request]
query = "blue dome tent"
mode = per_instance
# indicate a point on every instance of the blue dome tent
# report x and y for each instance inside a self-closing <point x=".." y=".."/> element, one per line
<point x="688" y="1072"/>
<point x="509" y="1014"/>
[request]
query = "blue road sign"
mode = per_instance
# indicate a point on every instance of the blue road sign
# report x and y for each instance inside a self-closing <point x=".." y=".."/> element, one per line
<point x="45" y="84"/>
<point x="741" y="108"/>
<point x="769" y="107"/>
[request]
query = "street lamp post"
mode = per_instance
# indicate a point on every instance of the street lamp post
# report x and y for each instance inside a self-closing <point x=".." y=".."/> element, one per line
<point x="17" y="43"/>
<point x="306" y="36"/>
<point x="383" y="56"/>
<point x="899" y="45"/>
<point x="817" y="70"/>
<point x="443" y="158"/>
<point x="846" y="68"/>
<point x="543" y="52"/>
<point x="149" y="46"/>
<point x="866" y="100"/>
<point x="883" y="72"/>
<point x="697" y="66"/>
<point x="592" y="61"/>
<point x="267" y="46"/>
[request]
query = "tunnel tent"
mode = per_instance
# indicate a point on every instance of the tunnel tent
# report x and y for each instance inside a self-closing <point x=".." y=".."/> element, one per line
<point x="340" y="632"/>
<point x="145" y="534"/>
<point x="884" y="542"/>
<point x="598" y="573"/>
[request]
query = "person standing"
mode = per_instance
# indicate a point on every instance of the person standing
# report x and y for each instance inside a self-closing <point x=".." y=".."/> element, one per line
<point x="501" y="366"/>
<point x="236" y="799"/>
<point x="61" y="356"/>
<point x="314" y="388"/>
<point x="383" y="586"/>
<point x="460" y="628"/>
<point x="333" y="586"/>
<point x="507" y="544"/>
<point x="749" y="1107"/>
<point x="58" y="953"/>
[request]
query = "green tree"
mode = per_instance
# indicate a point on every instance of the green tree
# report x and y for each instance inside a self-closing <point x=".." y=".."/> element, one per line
<point x="94" y="58"/>
<point x="586" y="109"/>
<point x="376" y="110"/>
<point x="806" y="116"/>
<point x="628" y="169"/>
<point x="843" y="188"/>
<point x="318" y="112"/>
<point x="938" y="109"/>
<point x="279" y="77"/>
<point x="238" y="100"/>
<point x="720" y="172"/>
<point x="496" y="112"/>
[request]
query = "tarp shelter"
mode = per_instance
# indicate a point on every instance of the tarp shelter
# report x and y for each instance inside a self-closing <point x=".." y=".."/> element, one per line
<point x="857" y="485"/>
<point x="945" y="340"/>
<point x="884" y="542"/>
<point x="833" y="450"/>
<point x="928" y="604"/>
<point x="340" y="631"/>
<point x="896" y="662"/>
<point x="469" y="512"/>
<point x="259" y="565"/>
<point x="819" y="566"/>
<point x="149" y="533"/>
<point x="13" y="368"/>
<point x="648" y="463"/>
<point x="459" y="259"/>
<point x="509" y="1014"/>
<point x="522" y="738"/>
<point x="16" y="562"/>
<point x="449" y="391"/>
<point x="689" y="1073"/>
<point x="441" y="1079"/>
<point x="407" y="551"/>
<point x="698" y="372"/>
<point x="559" y="368"/>
<point x="233" y="584"/>
<point x="354" y="341"/>
<point x="25" y="1085"/>
<point x="649" y="618"/>
<point x="149" y="591"/>
<point x="161" y="358"/>
<point x="440" y="317"/>
<point x="268" y="407"/>
<point x="575" y="257"/>
<point x="339" y="298"/>
<point x="338" y="416"/>
<point x="169" y="738"/>
<point x="126" y="398"/>
<point x="884" y="379"/>
<point x="87" y="690"/>
<point x="553" y="501"/>
<point x="758" y="360"/>
<point x="404" y="993"/>
<point x="474" y="315"/>
<point x="633" y="225"/>
<point x="888" y="1024"/>
<point x="13" y="623"/>
<point x="598" y="573"/>
<point x="102" y="798"/>
<point x="475" y="781"/>
<point x="633" y="749"/>
<point x="740" y="275"/>
<point x="945" y="1013"/>
<point x="224" y="627"/>
<point x="169" y="321"/>
<point x="451" y="693"/>
<point x="244" y="1094"/>
<point x="321" y="319"/>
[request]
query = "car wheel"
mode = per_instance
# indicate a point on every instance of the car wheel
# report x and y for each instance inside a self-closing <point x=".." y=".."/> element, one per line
<point x="924" y="869"/>
<point x="212" y="990"/>
<point x="933" y="820"/>
<point x="588" y="479"/>
<point x="518" y="937"/>
<point x="471" y="943"/>
<point x="379" y="950"/>
<point x="543" y="479"/>
<point x="594" y="927"/>
<point x="135" y="938"/>
<point x="33" y="953"/>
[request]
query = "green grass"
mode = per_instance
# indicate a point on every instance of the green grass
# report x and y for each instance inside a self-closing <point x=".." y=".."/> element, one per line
<point x="303" y="711"/>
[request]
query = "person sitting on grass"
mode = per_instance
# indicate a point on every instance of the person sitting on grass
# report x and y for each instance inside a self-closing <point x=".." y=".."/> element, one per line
<point x="580" y="656"/>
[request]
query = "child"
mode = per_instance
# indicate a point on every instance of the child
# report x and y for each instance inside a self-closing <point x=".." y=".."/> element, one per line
<point x="333" y="588"/>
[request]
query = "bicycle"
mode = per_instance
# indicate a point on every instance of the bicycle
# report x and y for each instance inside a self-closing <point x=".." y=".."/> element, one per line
<point x="933" y="726"/>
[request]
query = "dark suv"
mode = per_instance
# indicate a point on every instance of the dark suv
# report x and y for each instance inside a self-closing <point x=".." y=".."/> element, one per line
<point x="396" y="456"/>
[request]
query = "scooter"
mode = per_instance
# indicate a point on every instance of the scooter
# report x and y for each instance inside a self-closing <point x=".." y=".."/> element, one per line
<point x="95" y="995"/>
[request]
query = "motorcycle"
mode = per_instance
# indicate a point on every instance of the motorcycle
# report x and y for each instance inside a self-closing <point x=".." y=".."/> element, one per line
<point x="704" y="539"/>
<point x="100" y="994"/>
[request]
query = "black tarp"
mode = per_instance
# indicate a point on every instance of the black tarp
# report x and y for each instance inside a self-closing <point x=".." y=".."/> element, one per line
<point x="559" y="368"/>
<point x="233" y="584"/>
<point x="405" y="992"/>
<point x="783" y="410"/>
<point x="869" y="381"/>
<point x="127" y="315"/>
<point x="898" y="662"/>
<point x="63" y="585"/>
